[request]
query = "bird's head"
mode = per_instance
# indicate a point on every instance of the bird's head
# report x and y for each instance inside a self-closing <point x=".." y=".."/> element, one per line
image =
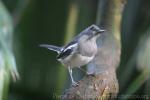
<point x="93" y="31"/>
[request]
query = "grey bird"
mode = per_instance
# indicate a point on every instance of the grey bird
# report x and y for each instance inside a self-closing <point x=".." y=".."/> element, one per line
<point x="80" y="51"/>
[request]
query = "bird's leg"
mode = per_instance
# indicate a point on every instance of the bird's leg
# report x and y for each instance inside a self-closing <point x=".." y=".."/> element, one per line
<point x="87" y="73"/>
<point x="72" y="80"/>
<point x="82" y="70"/>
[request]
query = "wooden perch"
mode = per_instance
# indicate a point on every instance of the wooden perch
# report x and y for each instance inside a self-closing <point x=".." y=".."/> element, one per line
<point x="101" y="87"/>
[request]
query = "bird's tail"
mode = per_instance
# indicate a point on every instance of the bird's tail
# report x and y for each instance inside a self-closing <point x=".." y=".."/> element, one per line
<point x="51" y="47"/>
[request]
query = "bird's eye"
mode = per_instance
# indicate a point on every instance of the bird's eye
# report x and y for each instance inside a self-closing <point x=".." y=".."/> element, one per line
<point x="92" y="28"/>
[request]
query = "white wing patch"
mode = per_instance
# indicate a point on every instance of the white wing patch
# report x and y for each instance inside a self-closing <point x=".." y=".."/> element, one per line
<point x="71" y="46"/>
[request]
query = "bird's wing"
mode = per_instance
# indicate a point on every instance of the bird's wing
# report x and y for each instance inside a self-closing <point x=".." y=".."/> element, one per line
<point x="67" y="50"/>
<point x="64" y="54"/>
<point x="52" y="47"/>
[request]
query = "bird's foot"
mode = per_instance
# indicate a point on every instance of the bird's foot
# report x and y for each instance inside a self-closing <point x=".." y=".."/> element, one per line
<point x="90" y="74"/>
<point x="75" y="83"/>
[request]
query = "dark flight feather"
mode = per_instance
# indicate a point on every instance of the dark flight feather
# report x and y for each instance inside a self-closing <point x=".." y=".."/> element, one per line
<point x="64" y="54"/>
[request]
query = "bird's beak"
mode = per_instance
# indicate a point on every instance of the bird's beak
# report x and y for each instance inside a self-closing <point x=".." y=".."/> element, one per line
<point x="101" y="31"/>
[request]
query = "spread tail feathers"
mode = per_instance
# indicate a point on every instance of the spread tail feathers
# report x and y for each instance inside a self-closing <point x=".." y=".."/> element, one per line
<point x="51" y="47"/>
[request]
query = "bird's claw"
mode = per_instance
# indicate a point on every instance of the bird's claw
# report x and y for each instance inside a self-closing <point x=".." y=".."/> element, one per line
<point x="91" y="74"/>
<point x="75" y="84"/>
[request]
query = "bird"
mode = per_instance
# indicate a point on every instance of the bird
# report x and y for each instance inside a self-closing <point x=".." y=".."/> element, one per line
<point x="80" y="51"/>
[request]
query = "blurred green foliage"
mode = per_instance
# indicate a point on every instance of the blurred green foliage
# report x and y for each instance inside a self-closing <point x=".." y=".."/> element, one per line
<point x="56" y="22"/>
<point x="7" y="59"/>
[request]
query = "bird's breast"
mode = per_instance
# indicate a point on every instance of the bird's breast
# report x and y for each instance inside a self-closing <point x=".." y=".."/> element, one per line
<point x="76" y="60"/>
